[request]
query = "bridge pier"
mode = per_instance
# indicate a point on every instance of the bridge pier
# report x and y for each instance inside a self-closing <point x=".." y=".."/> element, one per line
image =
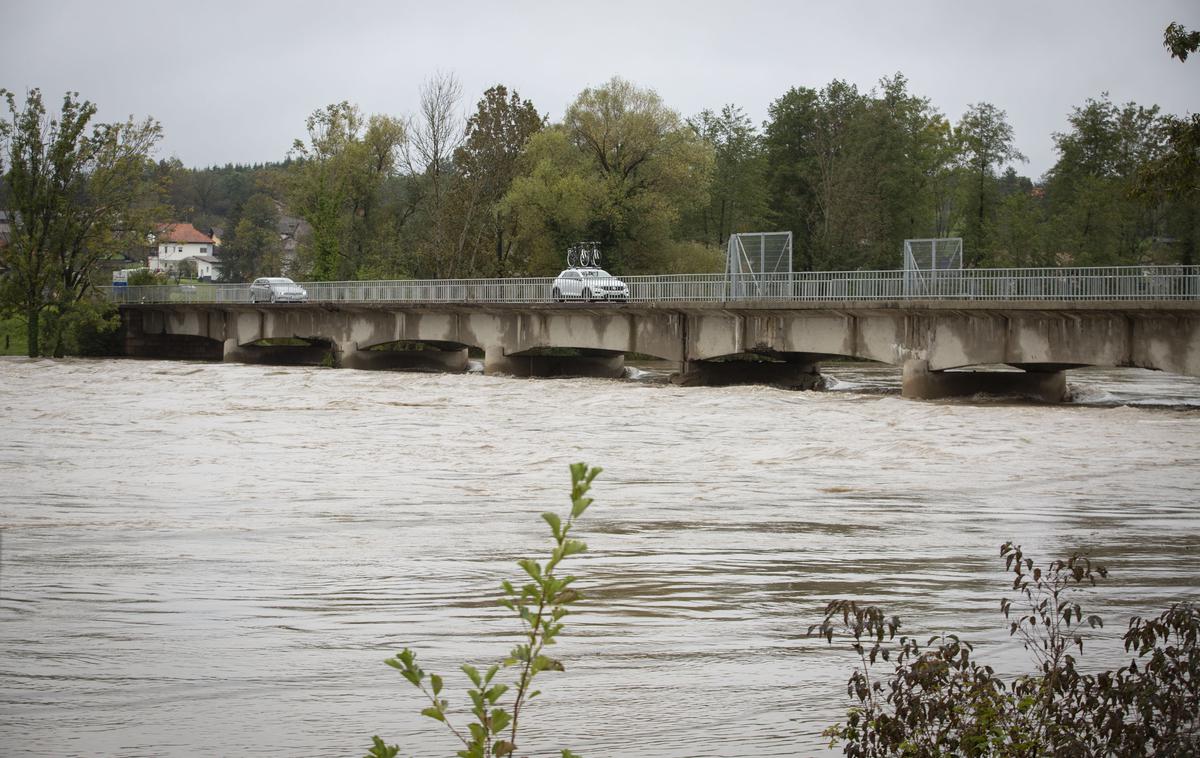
<point x="599" y="365"/>
<point x="794" y="371"/>
<point x="919" y="382"/>
<point x="144" y="336"/>
<point x="312" y="354"/>
<point x="348" y="355"/>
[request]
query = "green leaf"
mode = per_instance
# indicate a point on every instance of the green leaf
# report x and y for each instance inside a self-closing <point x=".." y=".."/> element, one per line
<point x="472" y="674"/>
<point x="436" y="681"/>
<point x="579" y="506"/>
<point x="531" y="567"/>
<point x="566" y="596"/>
<point x="500" y="719"/>
<point x="433" y="713"/>
<point x="495" y="692"/>
<point x="477" y="732"/>
<point x="503" y="747"/>
<point x="573" y="547"/>
<point x="555" y="524"/>
<point x="379" y="749"/>
<point x="545" y="663"/>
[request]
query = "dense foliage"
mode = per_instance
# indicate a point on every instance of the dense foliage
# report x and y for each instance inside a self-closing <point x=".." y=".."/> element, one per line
<point x="938" y="700"/>
<point x="503" y="190"/>
<point x="74" y="193"/>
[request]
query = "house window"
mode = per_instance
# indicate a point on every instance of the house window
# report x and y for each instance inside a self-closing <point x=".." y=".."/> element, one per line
<point x="204" y="250"/>
<point x="179" y="249"/>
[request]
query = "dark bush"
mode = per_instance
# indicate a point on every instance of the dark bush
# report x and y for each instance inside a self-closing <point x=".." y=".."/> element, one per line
<point x="938" y="700"/>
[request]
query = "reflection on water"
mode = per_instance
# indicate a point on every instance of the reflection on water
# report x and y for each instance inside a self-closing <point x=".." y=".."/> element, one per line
<point x="214" y="559"/>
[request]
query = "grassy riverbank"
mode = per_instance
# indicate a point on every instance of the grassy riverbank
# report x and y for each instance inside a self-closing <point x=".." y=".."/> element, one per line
<point x="13" y="337"/>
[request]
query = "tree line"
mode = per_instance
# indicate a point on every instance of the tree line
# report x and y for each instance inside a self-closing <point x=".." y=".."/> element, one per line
<point x="501" y="189"/>
<point x="852" y="173"/>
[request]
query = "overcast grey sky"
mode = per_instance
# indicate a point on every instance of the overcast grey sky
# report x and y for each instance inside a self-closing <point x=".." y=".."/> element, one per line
<point x="234" y="81"/>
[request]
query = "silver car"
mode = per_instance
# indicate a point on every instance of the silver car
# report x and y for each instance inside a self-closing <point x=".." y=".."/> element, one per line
<point x="588" y="284"/>
<point x="277" y="289"/>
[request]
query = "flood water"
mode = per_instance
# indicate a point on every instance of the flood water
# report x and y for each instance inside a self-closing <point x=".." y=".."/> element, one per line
<point x="210" y="559"/>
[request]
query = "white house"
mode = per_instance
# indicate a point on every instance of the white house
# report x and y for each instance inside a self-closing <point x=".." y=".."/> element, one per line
<point x="182" y="242"/>
<point x="207" y="268"/>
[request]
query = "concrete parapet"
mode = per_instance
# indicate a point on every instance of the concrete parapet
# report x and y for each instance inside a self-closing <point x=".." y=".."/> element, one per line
<point x="603" y="366"/>
<point x="917" y="381"/>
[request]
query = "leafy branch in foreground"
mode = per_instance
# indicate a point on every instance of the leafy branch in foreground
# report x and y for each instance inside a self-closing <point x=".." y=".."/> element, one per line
<point x="540" y="603"/>
<point x="939" y="701"/>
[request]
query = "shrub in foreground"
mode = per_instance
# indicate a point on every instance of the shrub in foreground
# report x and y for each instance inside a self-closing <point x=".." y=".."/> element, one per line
<point x="938" y="700"/>
<point x="540" y="603"/>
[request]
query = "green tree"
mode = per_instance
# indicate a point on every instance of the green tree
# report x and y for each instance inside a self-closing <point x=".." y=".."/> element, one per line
<point x="738" y="198"/>
<point x="630" y="161"/>
<point x="646" y="166"/>
<point x="253" y="249"/>
<point x="484" y="232"/>
<point x="336" y="183"/>
<point x="76" y="198"/>
<point x="550" y="200"/>
<point x="1174" y="175"/>
<point x="853" y="174"/>
<point x="1098" y="217"/>
<point x="1180" y="41"/>
<point x="985" y="144"/>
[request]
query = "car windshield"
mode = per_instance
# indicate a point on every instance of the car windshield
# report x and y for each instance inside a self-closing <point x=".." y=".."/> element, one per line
<point x="280" y="280"/>
<point x="596" y="272"/>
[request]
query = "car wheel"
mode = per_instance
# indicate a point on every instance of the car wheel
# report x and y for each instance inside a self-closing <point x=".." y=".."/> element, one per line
<point x="556" y="296"/>
<point x="587" y="295"/>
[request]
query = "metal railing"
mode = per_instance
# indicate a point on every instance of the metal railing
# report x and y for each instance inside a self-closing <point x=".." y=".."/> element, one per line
<point x="1145" y="283"/>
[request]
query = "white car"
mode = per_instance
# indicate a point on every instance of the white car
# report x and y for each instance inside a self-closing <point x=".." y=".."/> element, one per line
<point x="277" y="289"/>
<point x="588" y="284"/>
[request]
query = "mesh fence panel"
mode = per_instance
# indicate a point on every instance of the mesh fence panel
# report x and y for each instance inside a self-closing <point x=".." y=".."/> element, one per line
<point x="760" y="253"/>
<point x="943" y="254"/>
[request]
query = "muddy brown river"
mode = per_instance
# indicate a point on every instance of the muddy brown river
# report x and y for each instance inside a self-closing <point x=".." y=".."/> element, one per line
<point x="211" y="560"/>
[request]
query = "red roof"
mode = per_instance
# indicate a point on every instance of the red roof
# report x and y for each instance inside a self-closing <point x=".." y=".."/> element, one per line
<point x="183" y="233"/>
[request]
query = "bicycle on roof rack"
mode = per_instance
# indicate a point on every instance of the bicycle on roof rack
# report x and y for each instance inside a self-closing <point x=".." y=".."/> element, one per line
<point x="584" y="255"/>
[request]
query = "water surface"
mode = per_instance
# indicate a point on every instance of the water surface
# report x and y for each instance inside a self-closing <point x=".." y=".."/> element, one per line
<point x="208" y="559"/>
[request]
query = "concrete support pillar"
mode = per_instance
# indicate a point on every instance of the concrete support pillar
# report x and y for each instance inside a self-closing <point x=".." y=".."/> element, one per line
<point x="276" y="355"/>
<point x="606" y="366"/>
<point x="792" y="373"/>
<point x="140" y="343"/>
<point x="348" y="355"/>
<point x="919" y="382"/>
<point x="232" y="352"/>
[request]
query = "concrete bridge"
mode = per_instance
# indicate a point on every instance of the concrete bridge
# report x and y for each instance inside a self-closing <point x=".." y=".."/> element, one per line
<point x="776" y="342"/>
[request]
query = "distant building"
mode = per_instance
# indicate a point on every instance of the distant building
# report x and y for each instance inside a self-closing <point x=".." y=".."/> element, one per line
<point x="181" y="246"/>
<point x="5" y="228"/>
<point x="207" y="268"/>
<point x="292" y="231"/>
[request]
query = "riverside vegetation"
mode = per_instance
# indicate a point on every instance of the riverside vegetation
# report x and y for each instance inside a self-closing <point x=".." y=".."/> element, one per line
<point x="937" y="699"/>
<point x="540" y="603"/>
<point x="504" y="190"/>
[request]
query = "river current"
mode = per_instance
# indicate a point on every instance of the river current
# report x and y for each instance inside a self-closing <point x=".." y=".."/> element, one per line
<point x="214" y="559"/>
